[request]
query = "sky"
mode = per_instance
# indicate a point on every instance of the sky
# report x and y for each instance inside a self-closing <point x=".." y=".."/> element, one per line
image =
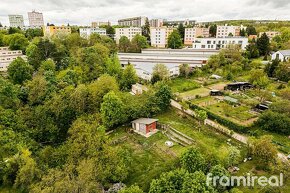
<point x="83" y="12"/>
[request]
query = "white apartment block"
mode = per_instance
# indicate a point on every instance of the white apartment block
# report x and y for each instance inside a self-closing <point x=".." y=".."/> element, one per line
<point x="191" y="33"/>
<point x="16" y="21"/>
<point x="270" y="34"/>
<point x="156" y="22"/>
<point x="7" y="56"/>
<point x="133" y="22"/>
<point x="159" y="36"/>
<point x="35" y="19"/>
<point x="129" y="32"/>
<point x="225" y="31"/>
<point x="86" y="32"/>
<point x="186" y="22"/>
<point x="219" y="43"/>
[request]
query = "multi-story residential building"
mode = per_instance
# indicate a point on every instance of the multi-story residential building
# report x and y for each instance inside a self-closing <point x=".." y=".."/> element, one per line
<point x="191" y="33"/>
<point x="156" y="22"/>
<point x="49" y="31"/>
<point x="86" y="32"/>
<point x="177" y="22"/>
<point x="159" y="36"/>
<point x="133" y="22"/>
<point x="35" y="19"/>
<point x="270" y="34"/>
<point x="128" y="32"/>
<point x="16" y="21"/>
<point x="7" y="56"/>
<point x="219" y="43"/>
<point x="100" y="23"/>
<point x="225" y="31"/>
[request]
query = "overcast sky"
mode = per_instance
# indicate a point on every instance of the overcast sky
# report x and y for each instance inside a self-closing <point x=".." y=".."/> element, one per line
<point x="82" y="12"/>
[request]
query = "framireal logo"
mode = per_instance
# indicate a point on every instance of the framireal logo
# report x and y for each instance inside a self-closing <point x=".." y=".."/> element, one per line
<point x="247" y="181"/>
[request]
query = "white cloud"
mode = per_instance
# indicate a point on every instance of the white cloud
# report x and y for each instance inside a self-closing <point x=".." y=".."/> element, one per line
<point x="82" y="12"/>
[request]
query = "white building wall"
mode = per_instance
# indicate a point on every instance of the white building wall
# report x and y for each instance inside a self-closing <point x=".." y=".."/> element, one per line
<point x="219" y="43"/>
<point x="280" y="56"/>
<point x="86" y="32"/>
<point x="225" y="31"/>
<point x="159" y="36"/>
<point x="16" y="21"/>
<point x="35" y="19"/>
<point x="133" y="22"/>
<point x="129" y="32"/>
<point x="7" y="56"/>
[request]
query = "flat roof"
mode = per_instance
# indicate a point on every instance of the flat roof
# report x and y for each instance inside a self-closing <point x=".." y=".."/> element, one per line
<point x="145" y="121"/>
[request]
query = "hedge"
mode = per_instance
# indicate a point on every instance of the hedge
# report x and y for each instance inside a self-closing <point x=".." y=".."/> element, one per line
<point x="225" y="122"/>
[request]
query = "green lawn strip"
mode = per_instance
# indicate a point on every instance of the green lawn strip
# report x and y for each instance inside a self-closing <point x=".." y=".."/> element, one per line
<point x="196" y="92"/>
<point x="183" y="84"/>
<point x="237" y="114"/>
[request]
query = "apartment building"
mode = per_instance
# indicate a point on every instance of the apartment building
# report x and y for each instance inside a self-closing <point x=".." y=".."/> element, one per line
<point x="191" y="33"/>
<point x="7" y="56"/>
<point x="156" y="22"/>
<point x="270" y="34"/>
<point x="128" y="32"/>
<point x="133" y="22"/>
<point x="219" y="43"/>
<point x="86" y="32"/>
<point x="186" y="22"/>
<point x="49" y="31"/>
<point x="35" y="19"/>
<point x="100" y="23"/>
<point x="159" y="36"/>
<point x="16" y="21"/>
<point x="225" y="31"/>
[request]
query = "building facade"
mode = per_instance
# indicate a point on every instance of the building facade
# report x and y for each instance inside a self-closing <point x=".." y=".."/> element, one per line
<point x="186" y="22"/>
<point x="49" y="31"/>
<point x="225" y="31"/>
<point x="16" y="21"/>
<point x="159" y="36"/>
<point x="156" y="22"/>
<point x="219" y="43"/>
<point x="270" y="34"/>
<point x="100" y="23"/>
<point x="129" y="32"/>
<point x="86" y="32"/>
<point x="7" y="56"/>
<point x="133" y="22"/>
<point x="191" y="33"/>
<point x="35" y="19"/>
<point x="282" y="55"/>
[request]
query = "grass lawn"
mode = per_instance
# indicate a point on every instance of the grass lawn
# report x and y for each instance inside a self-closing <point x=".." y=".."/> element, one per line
<point x="240" y="114"/>
<point x="203" y="92"/>
<point x="182" y="84"/>
<point x="249" y="167"/>
<point x="150" y="156"/>
<point x="207" y="139"/>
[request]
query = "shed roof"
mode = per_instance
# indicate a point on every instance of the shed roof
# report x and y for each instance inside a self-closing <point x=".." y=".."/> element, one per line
<point x="146" y="121"/>
<point x="285" y="52"/>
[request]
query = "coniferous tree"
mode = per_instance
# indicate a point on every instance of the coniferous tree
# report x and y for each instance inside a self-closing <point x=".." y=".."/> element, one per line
<point x="263" y="44"/>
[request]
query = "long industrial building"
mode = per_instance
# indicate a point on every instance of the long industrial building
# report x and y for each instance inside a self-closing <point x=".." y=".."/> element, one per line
<point x="172" y="59"/>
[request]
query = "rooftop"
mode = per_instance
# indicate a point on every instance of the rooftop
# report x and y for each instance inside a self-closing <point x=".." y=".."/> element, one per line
<point x="145" y="121"/>
<point x="285" y="52"/>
